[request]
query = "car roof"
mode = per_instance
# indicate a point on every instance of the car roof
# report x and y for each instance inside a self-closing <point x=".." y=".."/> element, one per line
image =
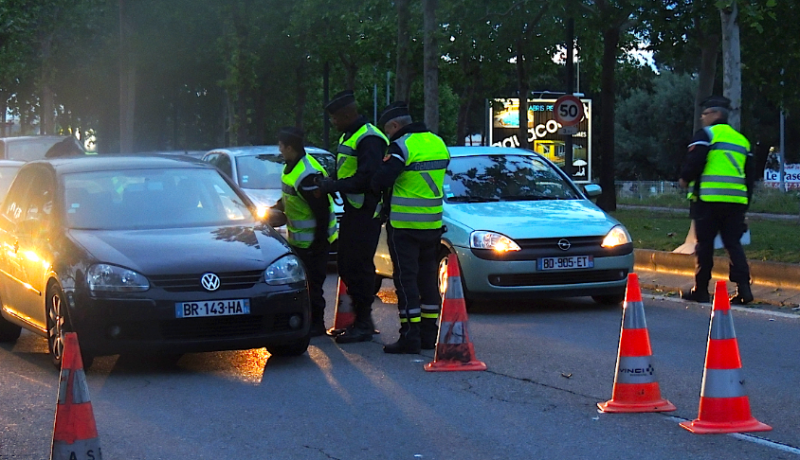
<point x="11" y="163"/>
<point x="108" y="162"/>
<point x="250" y="150"/>
<point x="30" y="138"/>
<point x="488" y="150"/>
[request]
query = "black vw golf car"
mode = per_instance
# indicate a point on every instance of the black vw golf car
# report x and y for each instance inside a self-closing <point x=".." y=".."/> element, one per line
<point x="145" y="253"/>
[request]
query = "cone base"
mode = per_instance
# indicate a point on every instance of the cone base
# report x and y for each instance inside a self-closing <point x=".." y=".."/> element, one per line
<point x="334" y="332"/>
<point x="445" y="366"/>
<point x="614" y="407"/>
<point x="698" y="426"/>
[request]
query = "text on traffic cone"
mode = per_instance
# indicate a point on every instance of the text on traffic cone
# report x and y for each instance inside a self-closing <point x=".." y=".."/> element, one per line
<point x="454" y="349"/>
<point x="636" y="388"/>
<point x="74" y="431"/>
<point x="724" y="405"/>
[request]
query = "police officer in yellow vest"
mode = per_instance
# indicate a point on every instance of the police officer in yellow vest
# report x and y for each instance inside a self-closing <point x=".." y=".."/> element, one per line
<point x="719" y="172"/>
<point x="414" y="170"/>
<point x="310" y="221"/>
<point x="359" y="154"/>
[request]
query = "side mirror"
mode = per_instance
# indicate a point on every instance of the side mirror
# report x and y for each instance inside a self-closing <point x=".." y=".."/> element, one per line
<point x="592" y="190"/>
<point x="275" y="218"/>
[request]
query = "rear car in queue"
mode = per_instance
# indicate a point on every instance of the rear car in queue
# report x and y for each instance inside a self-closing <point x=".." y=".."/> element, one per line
<point x="145" y="254"/>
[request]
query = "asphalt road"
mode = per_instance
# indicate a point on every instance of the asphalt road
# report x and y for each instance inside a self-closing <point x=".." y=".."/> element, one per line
<point x="549" y="363"/>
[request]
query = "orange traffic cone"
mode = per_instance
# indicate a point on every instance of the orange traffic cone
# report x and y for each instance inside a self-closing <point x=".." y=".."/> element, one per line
<point x="724" y="405"/>
<point x="454" y="350"/>
<point x="344" y="315"/>
<point x="635" y="385"/>
<point x="74" y="431"/>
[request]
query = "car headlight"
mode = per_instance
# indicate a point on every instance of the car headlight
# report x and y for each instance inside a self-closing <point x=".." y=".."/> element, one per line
<point x="285" y="270"/>
<point x="493" y="241"/>
<point x="617" y="236"/>
<point x="111" y="278"/>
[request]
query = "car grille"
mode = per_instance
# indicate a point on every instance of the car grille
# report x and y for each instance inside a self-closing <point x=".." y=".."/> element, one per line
<point x="186" y="283"/>
<point x="223" y="326"/>
<point x="576" y="244"/>
<point x="550" y="279"/>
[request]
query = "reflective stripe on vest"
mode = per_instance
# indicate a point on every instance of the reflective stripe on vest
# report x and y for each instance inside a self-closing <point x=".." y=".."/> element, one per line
<point x="723" y="178"/>
<point x="347" y="162"/>
<point x="300" y="222"/>
<point x="417" y="194"/>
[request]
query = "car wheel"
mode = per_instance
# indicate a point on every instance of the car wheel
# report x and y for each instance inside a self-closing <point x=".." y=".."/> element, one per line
<point x="610" y="299"/>
<point x="9" y="332"/>
<point x="57" y="325"/>
<point x="443" y="262"/>
<point x="293" y="348"/>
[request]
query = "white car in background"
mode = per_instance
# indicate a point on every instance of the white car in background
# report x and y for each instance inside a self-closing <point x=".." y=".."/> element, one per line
<point x="257" y="170"/>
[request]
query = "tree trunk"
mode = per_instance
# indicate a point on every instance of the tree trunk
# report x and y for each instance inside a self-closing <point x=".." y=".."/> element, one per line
<point x="350" y="71"/>
<point x="431" y="67"/>
<point x="608" y="199"/>
<point x="732" y="63"/>
<point x="464" y="106"/>
<point x="127" y="84"/>
<point x="301" y="95"/>
<point x="522" y="85"/>
<point x="46" y="126"/>
<point x="402" y="78"/>
<point x="241" y="117"/>
<point x="708" y="71"/>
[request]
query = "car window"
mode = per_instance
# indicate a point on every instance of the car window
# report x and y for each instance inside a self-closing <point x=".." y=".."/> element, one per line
<point x="327" y="161"/>
<point x="224" y="164"/>
<point x="259" y="171"/>
<point x="39" y="204"/>
<point x="16" y="199"/>
<point x="506" y="178"/>
<point x="7" y="174"/>
<point x="149" y="198"/>
<point x="30" y="149"/>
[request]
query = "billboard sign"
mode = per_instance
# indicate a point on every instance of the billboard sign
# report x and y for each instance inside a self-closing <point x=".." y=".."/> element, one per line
<point x="791" y="177"/>
<point x="543" y="136"/>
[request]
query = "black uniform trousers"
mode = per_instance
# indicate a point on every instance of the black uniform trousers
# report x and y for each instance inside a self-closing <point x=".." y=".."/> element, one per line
<point x="316" y="265"/>
<point x="727" y="219"/>
<point x="358" y="238"/>
<point x="416" y="265"/>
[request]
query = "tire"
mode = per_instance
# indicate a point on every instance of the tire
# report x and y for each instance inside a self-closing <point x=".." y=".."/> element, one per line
<point x="9" y="332"/>
<point x="378" y="284"/>
<point x="294" y="348"/>
<point x="609" y="299"/>
<point x="57" y="325"/>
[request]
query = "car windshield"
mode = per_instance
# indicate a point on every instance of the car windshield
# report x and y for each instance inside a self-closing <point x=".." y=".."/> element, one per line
<point x="504" y="178"/>
<point x="147" y="198"/>
<point x="7" y="174"/>
<point x="264" y="171"/>
<point x="259" y="171"/>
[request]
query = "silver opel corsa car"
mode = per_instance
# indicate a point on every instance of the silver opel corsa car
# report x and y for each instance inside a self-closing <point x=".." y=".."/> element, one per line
<point x="520" y="228"/>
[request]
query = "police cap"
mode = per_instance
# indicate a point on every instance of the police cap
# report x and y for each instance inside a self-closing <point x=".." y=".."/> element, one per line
<point x="340" y="101"/>
<point x="716" y="102"/>
<point x="290" y="132"/>
<point x="392" y="111"/>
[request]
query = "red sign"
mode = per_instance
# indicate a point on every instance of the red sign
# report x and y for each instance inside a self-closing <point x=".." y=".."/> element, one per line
<point x="568" y="110"/>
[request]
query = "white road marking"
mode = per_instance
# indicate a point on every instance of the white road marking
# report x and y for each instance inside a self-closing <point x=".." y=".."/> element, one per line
<point x="751" y="438"/>
<point x="758" y="311"/>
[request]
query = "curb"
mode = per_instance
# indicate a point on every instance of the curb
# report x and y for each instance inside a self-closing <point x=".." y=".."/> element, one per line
<point x="766" y="273"/>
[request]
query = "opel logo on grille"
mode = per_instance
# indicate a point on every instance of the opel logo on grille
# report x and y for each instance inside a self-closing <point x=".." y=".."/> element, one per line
<point x="210" y="282"/>
<point x="564" y="244"/>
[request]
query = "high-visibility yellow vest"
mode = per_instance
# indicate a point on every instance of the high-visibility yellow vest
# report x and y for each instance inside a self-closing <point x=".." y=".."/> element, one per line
<point x="347" y="162"/>
<point x="301" y="223"/>
<point x="723" y="178"/>
<point x="417" y="192"/>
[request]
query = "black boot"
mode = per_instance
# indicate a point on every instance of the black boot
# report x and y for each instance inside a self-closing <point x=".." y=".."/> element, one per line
<point x="361" y="330"/>
<point x="428" y="332"/>
<point x="743" y="294"/>
<point x="408" y="343"/>
<point x="696" y="295"/>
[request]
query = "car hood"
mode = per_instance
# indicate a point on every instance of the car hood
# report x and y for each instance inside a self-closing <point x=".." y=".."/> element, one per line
<point x="183" y="250"/>
<point x="531" y="219"/>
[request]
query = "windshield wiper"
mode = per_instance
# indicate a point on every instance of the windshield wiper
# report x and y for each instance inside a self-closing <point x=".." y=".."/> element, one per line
<point x="473" y="199"/>
<point x="530" y="197"/>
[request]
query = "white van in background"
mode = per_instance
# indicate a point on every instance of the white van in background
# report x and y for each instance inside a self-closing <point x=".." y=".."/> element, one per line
<point x="26" y="148"/>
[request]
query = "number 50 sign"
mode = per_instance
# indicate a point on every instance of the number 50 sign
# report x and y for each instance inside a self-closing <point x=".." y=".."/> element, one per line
<point x="568" y="110"/>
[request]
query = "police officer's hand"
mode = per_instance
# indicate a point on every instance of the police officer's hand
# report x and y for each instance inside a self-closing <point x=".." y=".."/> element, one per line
<point x="326" y="185"/>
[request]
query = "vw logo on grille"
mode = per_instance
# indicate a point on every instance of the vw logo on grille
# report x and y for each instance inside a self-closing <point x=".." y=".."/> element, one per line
<point x="210" y="282"/>
<point x="564" y="244"/>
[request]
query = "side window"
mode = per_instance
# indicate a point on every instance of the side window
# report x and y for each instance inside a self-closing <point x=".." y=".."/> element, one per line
<point x="224" y="165"/>
<point x="40" y="202"/>
<point x="211" y="158"/>
<point x="15" y="201"/>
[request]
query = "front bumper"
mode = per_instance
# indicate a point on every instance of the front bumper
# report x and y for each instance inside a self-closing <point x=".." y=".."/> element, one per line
<point x="146" y="322"/>
<point x="489" y="279"/>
